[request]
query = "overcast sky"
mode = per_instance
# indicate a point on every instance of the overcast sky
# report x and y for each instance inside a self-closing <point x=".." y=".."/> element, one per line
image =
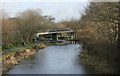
<point x="59" y="9"/>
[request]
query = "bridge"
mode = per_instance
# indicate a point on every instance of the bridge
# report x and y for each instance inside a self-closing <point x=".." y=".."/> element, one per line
<point x="55" y="36"/>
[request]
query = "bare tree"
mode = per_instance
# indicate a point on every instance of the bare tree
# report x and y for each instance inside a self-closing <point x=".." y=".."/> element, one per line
<point x="31" y="21"/>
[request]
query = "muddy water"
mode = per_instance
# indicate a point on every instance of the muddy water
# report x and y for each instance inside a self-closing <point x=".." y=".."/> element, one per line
<point x="52" y="60"/>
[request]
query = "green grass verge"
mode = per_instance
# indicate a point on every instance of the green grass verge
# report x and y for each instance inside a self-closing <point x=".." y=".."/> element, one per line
<point x="15" y="49"/>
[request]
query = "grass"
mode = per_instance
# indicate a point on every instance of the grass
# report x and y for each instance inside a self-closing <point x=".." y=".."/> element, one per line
<point x="15" y="49"/>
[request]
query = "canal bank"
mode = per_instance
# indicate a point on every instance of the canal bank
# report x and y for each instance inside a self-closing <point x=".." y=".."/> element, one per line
<point x="12" y="59"/>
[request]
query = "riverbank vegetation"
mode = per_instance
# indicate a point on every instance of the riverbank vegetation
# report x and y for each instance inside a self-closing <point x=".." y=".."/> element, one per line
<point x="19" y="30"/>
<point x="102" y="36"/>
<point x="98" y="32"/>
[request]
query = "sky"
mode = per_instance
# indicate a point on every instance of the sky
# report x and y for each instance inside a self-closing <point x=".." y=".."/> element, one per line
<point x="60" y="9"/>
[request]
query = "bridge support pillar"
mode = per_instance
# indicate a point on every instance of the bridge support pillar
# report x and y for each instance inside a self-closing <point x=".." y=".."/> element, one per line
<point x="73" y="35"/>
<point x="54" y="37"/>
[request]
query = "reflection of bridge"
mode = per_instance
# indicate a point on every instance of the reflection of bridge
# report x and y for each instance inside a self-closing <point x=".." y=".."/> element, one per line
<point x="55" y="35"/>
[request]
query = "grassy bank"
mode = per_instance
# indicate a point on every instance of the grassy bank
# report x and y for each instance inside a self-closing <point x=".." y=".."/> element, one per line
<point x="12" y="51"/>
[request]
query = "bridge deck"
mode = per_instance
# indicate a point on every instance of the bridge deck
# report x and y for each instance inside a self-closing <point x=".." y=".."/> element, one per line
<point x="45" y="33"/>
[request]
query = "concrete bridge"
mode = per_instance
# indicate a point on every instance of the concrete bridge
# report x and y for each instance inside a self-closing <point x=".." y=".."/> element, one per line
<point x="55" y="36"/>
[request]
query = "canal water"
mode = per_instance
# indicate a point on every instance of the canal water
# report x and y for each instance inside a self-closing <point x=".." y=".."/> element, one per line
<point x="52" y="60"/>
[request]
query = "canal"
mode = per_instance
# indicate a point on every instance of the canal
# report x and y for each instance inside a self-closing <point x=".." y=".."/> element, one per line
<point x="52" y="60"/>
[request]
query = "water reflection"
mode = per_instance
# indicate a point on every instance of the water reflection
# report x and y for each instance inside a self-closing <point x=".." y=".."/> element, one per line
<point x="52" y="60"/>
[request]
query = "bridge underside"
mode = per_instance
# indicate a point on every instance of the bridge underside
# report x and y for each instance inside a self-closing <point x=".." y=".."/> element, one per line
<point x="56" y="37"/>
